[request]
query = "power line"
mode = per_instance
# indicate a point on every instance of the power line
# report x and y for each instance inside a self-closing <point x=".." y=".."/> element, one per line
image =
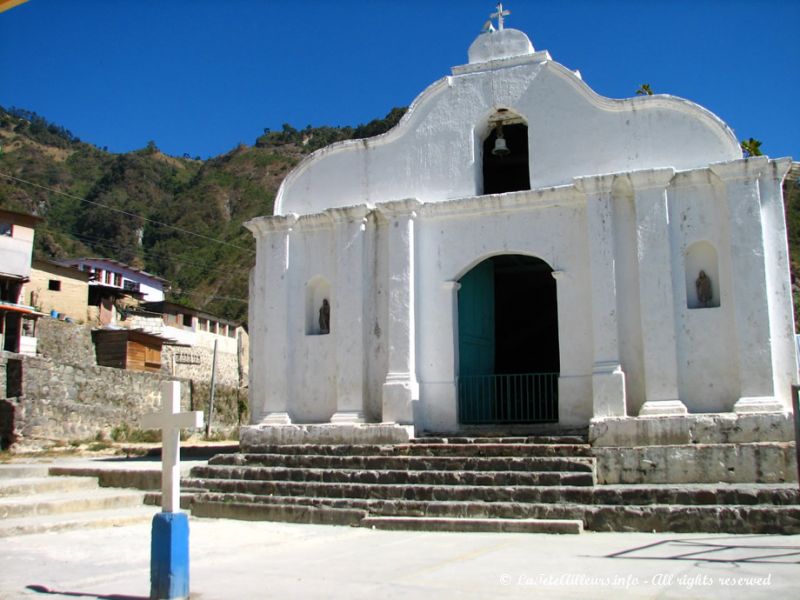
<point x="196" y="293"/>
<point x="147" y="253"/>
<point x="126" y="213"/>
<point x="176" y="261"/>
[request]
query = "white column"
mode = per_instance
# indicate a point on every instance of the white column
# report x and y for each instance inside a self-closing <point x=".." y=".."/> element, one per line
<point x="348" y="312"/>
<point x="269" y="337"/>
<point x="401" y="388"/>
<point x="656" y="293"/>
<point x="749" y="284"/>
<point x="608" y="380"/>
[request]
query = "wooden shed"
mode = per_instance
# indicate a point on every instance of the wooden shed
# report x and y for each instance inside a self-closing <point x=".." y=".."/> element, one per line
<point x="131" y="349"/>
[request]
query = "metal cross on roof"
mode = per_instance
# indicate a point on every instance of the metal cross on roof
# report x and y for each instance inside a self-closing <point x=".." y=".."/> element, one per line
<point x="499" y="15"/>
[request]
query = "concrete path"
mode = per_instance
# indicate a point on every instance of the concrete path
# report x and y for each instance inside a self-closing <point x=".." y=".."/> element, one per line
<point x="244" y="560"/>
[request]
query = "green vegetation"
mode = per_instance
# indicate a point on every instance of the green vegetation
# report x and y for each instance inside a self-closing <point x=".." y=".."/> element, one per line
<point x="125" y="433"/>
<point x="751" y="147"/>
<point x="137" y="207"/>
<point x="314" y="138"/>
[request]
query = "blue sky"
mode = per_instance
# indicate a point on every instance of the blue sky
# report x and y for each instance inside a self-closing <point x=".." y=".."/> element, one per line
<point x="200" y="76"/>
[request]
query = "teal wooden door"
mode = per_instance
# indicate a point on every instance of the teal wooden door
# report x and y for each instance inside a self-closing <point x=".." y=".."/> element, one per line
<point x="476" y="344"/>
<point x="476" y="339"/>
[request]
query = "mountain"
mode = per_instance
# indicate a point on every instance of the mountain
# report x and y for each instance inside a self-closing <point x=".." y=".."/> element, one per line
<point x="210" y="198"/>
<point x="139" y="207"/>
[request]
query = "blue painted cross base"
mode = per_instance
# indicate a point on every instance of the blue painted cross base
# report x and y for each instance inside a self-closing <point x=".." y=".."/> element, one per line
<point x="169" y="556"/>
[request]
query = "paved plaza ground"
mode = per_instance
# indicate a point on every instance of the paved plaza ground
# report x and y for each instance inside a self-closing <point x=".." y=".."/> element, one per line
<point x="242" y="560"/>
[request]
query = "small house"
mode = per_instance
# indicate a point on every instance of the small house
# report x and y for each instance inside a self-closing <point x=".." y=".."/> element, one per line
<point x="114" y="274"/>
<point x="17" y="320"/>
<point x="54" y="288"/>
<point x="134" y="350"/>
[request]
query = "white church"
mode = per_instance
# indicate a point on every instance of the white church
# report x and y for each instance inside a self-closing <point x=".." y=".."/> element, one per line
<point x="519" y="251"/>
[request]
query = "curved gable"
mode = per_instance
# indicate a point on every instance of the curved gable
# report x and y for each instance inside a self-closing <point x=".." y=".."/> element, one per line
<point x="434" y="153"/>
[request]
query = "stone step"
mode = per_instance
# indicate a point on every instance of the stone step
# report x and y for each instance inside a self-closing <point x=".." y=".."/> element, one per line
<point x="288" y="513"/>
<point x="19" y="471"/>
<point x="425" y="449"/>
<point x="140" y="479"/>
<point x="761" y="519"/>
<point x="68" y="502"/>
<point x="530" y="439"/>
<point x="83" y="520"/>
<point x="187" y="497"/>
<point x="475" y="525"/>
<point x="612" y="495"/>
<point x="392" y="477"/>
<point x="39" y="485"/>
<point x="413" y="463"/>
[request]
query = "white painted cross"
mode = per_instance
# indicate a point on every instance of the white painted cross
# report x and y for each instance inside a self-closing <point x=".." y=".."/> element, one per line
<point x="170" y="420"/>
<point x="499" y="15"/>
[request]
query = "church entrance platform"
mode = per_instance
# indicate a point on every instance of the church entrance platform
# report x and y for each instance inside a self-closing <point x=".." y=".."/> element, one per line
<point x="530" y="484"/>
<point x="326" y="433"/>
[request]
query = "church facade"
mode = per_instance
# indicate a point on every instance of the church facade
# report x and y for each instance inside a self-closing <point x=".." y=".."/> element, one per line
<point x="520" y="250"/>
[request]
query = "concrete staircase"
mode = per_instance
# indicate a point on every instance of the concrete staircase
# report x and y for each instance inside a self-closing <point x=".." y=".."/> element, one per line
<point x="533" y="484"/>
<point x="32" y="501"/>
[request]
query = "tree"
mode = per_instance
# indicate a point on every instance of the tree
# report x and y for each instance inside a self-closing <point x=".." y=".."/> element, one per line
<point x="644" y="90"/>
<point x="751" y="147"/>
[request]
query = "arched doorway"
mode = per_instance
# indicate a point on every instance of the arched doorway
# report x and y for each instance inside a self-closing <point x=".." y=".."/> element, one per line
<point x="508" y="342"/>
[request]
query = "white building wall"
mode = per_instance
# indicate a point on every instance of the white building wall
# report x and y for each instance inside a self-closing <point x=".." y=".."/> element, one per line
<point x="708" y="364"/>
<point x="16" y="251"/>
<point x="450" y="238"/>
<point x="550" y="226"/>
<point x="153" y="290"/>
<point x="647" y="191"/>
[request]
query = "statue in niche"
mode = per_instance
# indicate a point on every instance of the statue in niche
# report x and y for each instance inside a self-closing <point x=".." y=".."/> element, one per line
<point x="703" y="285"/>
<point x="325" y="317"/>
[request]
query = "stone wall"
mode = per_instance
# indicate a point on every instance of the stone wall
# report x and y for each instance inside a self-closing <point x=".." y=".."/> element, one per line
<point x="3" y="393"/>
<point x="230" y="404"/>
<point x="195" y="363"/>
<point x="63" y="402"/>
<point x="68" y="343"/>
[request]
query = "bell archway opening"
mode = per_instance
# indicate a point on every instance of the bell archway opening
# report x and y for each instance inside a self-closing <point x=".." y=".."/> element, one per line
<point x="506" y="161"/>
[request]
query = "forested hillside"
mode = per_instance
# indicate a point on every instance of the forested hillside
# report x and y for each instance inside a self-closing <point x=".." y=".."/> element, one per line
<point x="156" y="212"/>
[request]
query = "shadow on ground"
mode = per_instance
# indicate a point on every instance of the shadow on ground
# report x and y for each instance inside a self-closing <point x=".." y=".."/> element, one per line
<point x="716" y="550"/>
<point x="45" y="590"/>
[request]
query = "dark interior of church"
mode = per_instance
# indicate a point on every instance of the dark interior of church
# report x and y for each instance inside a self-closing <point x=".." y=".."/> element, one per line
<point x="526" y="317"/>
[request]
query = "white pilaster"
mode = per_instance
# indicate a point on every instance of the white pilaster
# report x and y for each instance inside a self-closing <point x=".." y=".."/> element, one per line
<point x="608" y="380"/>
<point x="749" y="284"/>
<point x="348" y="312"/>
<point x="656" y="293"/>
<point x="779" y="283"/>
<point x="401" y="388"/>
<point x="269" y="379"/>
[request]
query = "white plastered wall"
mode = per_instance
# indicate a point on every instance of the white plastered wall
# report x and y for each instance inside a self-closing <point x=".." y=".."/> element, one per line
<point x="621" y="191"/>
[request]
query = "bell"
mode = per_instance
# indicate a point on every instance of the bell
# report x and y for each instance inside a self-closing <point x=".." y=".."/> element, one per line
<point x="500" y="148"/>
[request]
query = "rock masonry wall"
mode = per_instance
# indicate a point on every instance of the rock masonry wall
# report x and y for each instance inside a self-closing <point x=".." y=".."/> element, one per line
<point x="69" y="343"/>
<point x="195" y="363"/>
<point x="62" y="402"/>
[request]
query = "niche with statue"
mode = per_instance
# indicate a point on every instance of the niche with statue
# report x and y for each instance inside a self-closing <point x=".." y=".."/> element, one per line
<point x="318" y="306"/>
<point x="702" y="276"/>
